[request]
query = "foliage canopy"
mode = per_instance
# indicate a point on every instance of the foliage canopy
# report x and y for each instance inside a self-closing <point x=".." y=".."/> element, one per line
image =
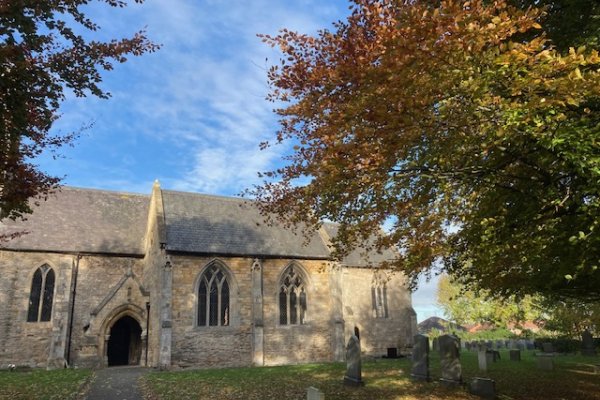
<point x="459" y="125"/>
<point x="41" y="55"/>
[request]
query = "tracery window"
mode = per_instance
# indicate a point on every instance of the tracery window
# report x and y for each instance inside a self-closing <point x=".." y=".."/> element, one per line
<point x="292" y="298"/>
<point x="379" y="297"/>
<point x="213" y="297"/>
<point x="41" y="295"/>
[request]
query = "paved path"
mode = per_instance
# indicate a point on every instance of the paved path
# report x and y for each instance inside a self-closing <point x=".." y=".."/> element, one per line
<point x="116" y="383"/>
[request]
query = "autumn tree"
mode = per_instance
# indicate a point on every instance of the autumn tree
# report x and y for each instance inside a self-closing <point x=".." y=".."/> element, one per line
<point x="476" y="143"/>
<point x="42" y="55"/>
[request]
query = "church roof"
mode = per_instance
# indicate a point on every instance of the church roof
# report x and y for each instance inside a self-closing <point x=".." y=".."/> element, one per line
<point x="199" y="223"/>
<point x="83" y="220"/>
<point x="360" y="256"/>
<point x="76" y="220"/>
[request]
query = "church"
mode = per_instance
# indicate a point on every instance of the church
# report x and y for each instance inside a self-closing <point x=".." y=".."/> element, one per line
<point x="175" y="279"/>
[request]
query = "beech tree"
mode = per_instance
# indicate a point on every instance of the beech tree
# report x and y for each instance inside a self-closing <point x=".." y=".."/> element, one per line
<point x="41" y="56"/>
<point x="460" y="126"/>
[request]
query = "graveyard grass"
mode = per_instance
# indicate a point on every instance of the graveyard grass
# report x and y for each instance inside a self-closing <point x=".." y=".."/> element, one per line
<point x="38" y="384"/>
<point x="573" y="379"/>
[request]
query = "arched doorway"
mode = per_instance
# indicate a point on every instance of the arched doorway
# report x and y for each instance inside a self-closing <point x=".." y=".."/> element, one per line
<point x="125" y="342"/>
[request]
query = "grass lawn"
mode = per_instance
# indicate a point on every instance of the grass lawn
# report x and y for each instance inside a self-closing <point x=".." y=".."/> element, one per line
<point x="39" y="384"/>
<point x="385" y="380"/>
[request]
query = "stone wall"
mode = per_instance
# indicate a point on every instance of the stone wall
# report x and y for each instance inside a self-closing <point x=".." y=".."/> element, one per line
<point x="32" y="343"/>
<point x="377" y="333"/>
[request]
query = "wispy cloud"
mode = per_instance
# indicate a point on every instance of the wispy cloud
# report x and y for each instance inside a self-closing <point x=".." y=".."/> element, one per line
<point x="194" y="113"/>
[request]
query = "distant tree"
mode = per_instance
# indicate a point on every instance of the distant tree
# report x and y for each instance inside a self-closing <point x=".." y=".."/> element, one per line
<point x="571" y="317"/>
<point x="41" y="56"/>
<point x="476" y="143"/>
<point x="468" y="307"/>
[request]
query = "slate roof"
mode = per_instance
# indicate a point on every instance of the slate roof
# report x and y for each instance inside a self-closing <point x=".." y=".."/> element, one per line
<point x="199" y="223"/>
<point x="83" y="220"/>
<point x="76" y="220"/>
<point x="359" y="257"/>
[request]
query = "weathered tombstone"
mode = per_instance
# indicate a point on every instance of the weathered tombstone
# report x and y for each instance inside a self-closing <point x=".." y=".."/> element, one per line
<point x="353" y="375"/>
<point x="314" y="394"/>
<point x="530" y="344"/>
<point x="547" y="347"/>
<point x="499" y="344"/>
<point x="420" y="358"/>
<point x="515" y="355"/>
<point x="587" y="344"/>
<point x="489" y="344"/>
<point x="512" y="344"/>
<point x="484" y="359"/>
<point x="495" y="355"/>
<point x="545" y="362"/>
<point x="450" y="360"/>
<point x="507" y="344"/>
<point x="483" y="387"/>
<point x="521" y="344"/>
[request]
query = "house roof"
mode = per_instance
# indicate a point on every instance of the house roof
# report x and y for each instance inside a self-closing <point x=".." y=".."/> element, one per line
<point x="83" y="220"/>
<point x="199" y="223"/>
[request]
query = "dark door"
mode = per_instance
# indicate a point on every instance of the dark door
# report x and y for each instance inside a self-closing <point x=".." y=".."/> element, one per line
<point x="125" y="343"/>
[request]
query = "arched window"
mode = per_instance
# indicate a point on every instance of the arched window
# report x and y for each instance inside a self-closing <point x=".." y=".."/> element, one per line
<point x="42" y="292"/>
<point x="379" y="296"/>
<point x="292" y="298"/>
<point x="213" y="297"/>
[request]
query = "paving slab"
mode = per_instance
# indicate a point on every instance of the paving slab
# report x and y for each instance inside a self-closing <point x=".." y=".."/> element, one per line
<point x="116" y="383"/>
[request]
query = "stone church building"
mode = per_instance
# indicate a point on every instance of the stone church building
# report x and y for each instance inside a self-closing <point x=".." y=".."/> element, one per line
<point x="182" y="279"/>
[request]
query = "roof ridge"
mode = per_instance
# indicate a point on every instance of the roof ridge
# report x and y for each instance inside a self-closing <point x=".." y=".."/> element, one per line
<point x="210" y="196"/>
<point x="95" y="190"/>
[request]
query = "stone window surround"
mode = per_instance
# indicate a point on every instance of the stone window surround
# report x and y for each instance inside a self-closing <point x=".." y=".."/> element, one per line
<point x="234" y="316"/>
<point x="28" y="297"/>
<point x="300" y="270"/>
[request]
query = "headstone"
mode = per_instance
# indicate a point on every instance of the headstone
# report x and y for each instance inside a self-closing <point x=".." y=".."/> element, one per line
<point x="495" y="354"/>
<point x="515" y="355"/>
<point x="489" y="344"/>
<point x="512" y="344"/>
<point x="530" y="344"/>
<point x="587" y="344"/>
<point x="484" y="359"/>
<point x="483" y="387"/>
<point x="507" y="344"/>
<point x="314" y="394"/>
<point x="499" y="344"/>
<point x="353" y="375"/>
<point x="521" y="344"/>
<point x="450" y="360"/>
<point x="547" y="347"/>
<point x="545" y="362"/>
<point x="420" y="358"/>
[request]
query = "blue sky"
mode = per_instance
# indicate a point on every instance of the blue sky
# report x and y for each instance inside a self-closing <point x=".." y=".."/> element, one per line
<point x="193" y="114"/>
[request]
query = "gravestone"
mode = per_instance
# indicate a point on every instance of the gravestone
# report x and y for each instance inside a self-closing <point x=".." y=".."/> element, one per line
<point x="515" y="355"/>
<point x="521" y="344"/>
<point x="512" y="344"/>
<point x="529" y="344"/>
<point x="547" y="347"/>
<point x="450" y="360"/>
<point x="353" y="375"/>
<point x="392" y="352"/>
<point x="313" y="393"/>
<point x="420" y="358"/>
<point x="495" y="355"/>
<point x="587" y="344"/>
<point x="499" y="344"/>
<point x="489" y="344"/>
<point x="484" y="359"/>
<point x="483" y="387"/>
<point x="545" y="362"/>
